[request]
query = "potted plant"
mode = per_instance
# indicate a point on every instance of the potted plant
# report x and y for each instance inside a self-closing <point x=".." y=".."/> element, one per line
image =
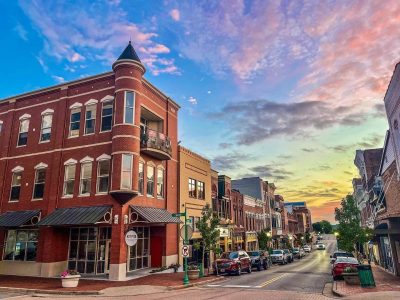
<point x="193" y="271"/>
<point x="175" y="267"/>
<point x="70" y="278"/>
<point x="350" y="275"/>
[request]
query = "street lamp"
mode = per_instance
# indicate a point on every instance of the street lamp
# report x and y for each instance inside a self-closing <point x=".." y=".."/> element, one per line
<point x="336" y="236"/>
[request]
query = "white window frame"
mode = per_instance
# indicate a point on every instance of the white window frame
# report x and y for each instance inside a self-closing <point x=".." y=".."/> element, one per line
<point x="90" y="105"/>
<point x="147" y="179"/>
<point x="45" y="114"/>
<point x="72" y="111"/>
<point x="15" y="171"/>
<point x="23" y="119"/>
<point x="133" y="107"/>
<point x="162" y="183"/>
<point x="1" y="126"/>
<point x="141" y="163"/>
<point x="107" y="102"/>
<point x="69" y="163"/>
<point x="98" y="175"/>
<point x="34" y="183"/>
<point x="84" y="162"/>
<point x="126" y="171"/>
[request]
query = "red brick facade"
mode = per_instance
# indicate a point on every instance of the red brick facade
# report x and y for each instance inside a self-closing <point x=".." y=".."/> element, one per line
<point x="122" y="139"/>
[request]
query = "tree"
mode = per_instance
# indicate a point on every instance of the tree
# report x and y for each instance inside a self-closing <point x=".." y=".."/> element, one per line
<point x="207" y="226"/>
<point x="323" y="226"/>
<point x="263" y="239"/>
<point x="349" y="229"/>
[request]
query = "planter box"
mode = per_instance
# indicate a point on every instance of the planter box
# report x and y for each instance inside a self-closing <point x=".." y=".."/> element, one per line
<point x="70" y="281"/>
<point x="193" y="274"/>
<point x="351" y="278"/>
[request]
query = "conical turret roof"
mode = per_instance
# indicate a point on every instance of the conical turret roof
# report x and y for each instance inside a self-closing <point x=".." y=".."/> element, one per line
<point x="129" y="53"/>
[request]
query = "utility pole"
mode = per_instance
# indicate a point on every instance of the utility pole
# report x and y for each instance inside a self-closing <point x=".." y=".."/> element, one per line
<point x="186" y="277"/>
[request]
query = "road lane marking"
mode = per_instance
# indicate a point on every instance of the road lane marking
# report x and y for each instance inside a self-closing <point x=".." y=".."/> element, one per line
<point x="237" y="286"/>
<point x="271" y="281"/>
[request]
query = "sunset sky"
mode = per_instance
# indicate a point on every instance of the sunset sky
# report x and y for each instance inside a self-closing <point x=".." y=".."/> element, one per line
<point x="283" y="90"/>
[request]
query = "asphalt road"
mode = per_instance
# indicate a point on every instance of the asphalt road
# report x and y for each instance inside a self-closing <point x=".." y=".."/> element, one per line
<point x="310" y="274"/>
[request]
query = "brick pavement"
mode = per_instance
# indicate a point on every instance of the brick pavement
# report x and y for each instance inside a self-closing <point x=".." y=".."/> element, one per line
<point x="384" y="281"/>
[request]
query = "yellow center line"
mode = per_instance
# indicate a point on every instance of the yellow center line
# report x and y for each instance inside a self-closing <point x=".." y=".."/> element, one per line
<point x="272" y="280"/>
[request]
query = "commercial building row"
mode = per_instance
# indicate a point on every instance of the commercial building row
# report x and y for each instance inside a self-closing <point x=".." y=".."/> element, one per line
<point x="85" y="162"/>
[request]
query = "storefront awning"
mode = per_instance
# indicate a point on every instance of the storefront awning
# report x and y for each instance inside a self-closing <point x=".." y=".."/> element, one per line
<point x="19" y="218"/>
<point x="87" y="215"/>
<point x="152" y="215"/>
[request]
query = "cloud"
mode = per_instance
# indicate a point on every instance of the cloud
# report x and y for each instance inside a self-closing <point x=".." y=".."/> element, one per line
<point x="229" y="161"/>
<point x="192" y="100"/>
<point x="282" y="156"/>
<point x="58" y="79"/>
<point x="373" y="141"/>
<point x="271" y="171"/>
<point x="22" y="33"/>
<point x="95" y="33"/>
<point x="175" y="15"/>
<point x="225" y="145"/>
<point x="291" y="119"/>
<point x="308" y="149"/>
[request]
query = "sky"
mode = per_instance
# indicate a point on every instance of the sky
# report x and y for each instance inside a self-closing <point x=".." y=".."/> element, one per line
<point x="284" y="90"/>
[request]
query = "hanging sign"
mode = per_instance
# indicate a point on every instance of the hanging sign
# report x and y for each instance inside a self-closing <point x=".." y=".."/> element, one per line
<point x="131" y="238"/>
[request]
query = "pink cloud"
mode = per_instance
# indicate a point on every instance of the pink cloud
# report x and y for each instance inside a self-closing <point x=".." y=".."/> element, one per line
<point x="175" y="15"/>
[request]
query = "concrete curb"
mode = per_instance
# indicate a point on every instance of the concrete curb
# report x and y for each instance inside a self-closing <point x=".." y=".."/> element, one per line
<point x="335" y="292"/>
<point x="179" y="287"/>
<point x="48" y="292"/>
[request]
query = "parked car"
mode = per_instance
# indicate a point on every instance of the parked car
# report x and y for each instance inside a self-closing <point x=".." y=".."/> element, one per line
<point x="259" y="259"/>
<point x="289" y="255"/>
<point x="340" y="253"/>
<point x="279" y="256"/>
<point x="234" y="262"/>
<point x="298" y="252"/>
<point x="341" y="263"/>
<point x="319" y="238"/>
<point x="321" y="246"/>
<point x="307" y="248"/>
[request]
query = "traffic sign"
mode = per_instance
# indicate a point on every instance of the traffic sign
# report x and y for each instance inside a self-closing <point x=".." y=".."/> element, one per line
<point x="185" y="250"/>
<point x="189" y="232"/>
<point x="178" y="215"/>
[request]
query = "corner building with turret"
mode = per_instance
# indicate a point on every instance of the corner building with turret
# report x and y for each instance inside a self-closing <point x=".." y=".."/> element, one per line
<point x="88" y="174"/>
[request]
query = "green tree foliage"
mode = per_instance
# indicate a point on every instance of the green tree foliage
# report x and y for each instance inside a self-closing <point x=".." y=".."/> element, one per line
<point x="207" y="226"/>
<point x="263" y="239"/>
<point x="349" y="228"/>
<point x="323" y="227"/>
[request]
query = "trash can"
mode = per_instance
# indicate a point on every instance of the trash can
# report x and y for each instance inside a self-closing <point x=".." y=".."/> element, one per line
<point x="366" y="276"/>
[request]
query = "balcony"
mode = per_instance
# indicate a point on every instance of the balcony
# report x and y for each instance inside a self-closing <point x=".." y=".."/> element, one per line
<point x="155" y="144"/>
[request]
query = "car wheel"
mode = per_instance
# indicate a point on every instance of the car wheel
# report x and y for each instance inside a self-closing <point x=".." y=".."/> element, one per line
<point x="239" y="270"/>
<point x="249" y="269"/>
<point x="265" y="266"/>
<point x="259" y="266"/>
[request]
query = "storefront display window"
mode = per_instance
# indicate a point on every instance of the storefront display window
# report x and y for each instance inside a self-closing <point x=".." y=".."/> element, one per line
<point x="21" y="245"/>
<point x="139" y="254"/>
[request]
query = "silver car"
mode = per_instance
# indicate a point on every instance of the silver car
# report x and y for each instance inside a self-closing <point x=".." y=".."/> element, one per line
<point x="279" y="256"/>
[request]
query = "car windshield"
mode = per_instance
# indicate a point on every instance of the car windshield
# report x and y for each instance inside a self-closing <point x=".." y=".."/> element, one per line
<point x="253" y="253"/>
<point x="295" y="249"/>
<point x="343" y="254"/>
<point x="347" y="260"/>
<point x="277" y="252"/>
<point x="229" y="255"/>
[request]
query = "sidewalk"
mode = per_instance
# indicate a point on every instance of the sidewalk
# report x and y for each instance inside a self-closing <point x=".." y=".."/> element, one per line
<point x="90" y="286"/>
<point x="384" y="282"/>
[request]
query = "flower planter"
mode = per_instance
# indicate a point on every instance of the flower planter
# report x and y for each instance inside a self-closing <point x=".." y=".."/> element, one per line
<point x="193" y="274"/>
<point x="351" y="278"/>
<point x="70" y="281"/>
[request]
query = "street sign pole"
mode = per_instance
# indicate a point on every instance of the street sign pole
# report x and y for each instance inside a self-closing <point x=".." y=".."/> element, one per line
<point x="186" y="277"/>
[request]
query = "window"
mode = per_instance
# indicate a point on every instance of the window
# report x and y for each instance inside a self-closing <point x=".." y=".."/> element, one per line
<point x="15" y="186"/>
<point x="150" y="181"/>
<point x="103" y="175"/>
<point x="69" y="179"/>
<point x="90" y="119"/>
<point x="1" y="125"/>
<point x="45" y="131"/>
<point x="126" y="176"/>
<point x="106" y="116"/>
<point x="192" y="188"/>
<point x="129" y="117"/>
<point x="75" y="122"/>
<point x="23" y="132"/>
<point x="21" y="245"/>
<point x="160" y="183"/>
<point x="38" y="189"/>
<point x="195" y="220"/>
<point x="200" y="190"/>
<point x="86" y="178"/>
<point x="141" y="177"/>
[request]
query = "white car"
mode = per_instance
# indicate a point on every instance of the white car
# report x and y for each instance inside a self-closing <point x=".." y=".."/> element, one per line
<point x="307" y="248"/>
<point x="321" y="246"/>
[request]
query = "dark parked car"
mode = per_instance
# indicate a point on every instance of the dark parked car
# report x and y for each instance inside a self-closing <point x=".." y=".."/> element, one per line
<point x="289" y="255"/>
<point x="232" y="263"/>
<point x="259" y="259"/>
<point x="298" y="252"/>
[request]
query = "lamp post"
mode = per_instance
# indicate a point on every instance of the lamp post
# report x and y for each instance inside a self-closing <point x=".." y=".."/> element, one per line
<point x="336" y="236"/>
<point x="269" y="236"/>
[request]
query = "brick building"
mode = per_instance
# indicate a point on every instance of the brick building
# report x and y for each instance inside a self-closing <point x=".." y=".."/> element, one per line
<point x="82" y="163"/>
<point x="238" y="218"/>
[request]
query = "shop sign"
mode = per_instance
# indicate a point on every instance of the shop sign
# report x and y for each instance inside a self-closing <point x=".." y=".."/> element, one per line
<point x="131" y="238"/>
<point x="223" y="232"/>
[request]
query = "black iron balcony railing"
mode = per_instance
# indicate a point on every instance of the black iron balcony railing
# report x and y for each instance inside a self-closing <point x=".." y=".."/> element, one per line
<point x="156" y="144"/>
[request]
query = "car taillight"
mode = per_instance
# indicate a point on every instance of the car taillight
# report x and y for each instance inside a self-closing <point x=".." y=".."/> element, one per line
<point x="340" y="265"/>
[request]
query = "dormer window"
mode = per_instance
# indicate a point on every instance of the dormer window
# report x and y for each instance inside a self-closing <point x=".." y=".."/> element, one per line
<point x="23" y="130"/>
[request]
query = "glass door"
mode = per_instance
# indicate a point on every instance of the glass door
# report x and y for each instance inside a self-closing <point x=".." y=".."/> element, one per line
<point x="138" y="255"/>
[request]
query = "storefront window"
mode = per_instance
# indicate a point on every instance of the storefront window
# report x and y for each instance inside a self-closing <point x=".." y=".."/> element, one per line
<point x="21" y="245"/>
<point x="139" y="253"/>
<point x="89" y="250"/>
